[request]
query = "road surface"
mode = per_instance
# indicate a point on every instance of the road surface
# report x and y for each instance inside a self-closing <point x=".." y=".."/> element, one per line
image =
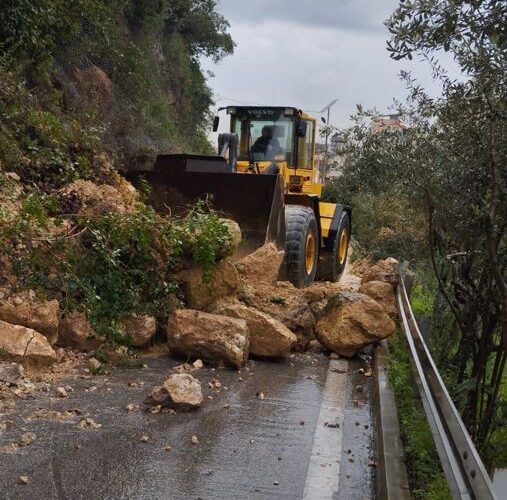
<point x="307" y="438"/>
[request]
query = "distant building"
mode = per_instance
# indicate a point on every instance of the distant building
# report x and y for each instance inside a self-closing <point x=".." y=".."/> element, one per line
<point x="386" y="122"/>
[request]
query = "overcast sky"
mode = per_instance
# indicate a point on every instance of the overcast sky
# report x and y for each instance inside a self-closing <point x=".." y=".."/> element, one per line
<point x="305" y="53"/>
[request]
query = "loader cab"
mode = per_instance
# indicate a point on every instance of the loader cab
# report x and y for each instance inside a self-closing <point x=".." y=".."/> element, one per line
<point x="274" y="134"/>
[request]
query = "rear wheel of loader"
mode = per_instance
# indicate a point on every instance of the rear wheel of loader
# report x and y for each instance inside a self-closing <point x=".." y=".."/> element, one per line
<point x="332" y="264"/>
<point x="301" y="245"/>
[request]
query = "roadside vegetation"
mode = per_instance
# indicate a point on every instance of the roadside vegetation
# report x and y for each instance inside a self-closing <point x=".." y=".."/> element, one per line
<point x="433" y="191"/>
<point x="88" y="88"/>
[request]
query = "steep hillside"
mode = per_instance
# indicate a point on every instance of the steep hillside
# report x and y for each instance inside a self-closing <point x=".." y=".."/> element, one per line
<point x="80" y="78"/>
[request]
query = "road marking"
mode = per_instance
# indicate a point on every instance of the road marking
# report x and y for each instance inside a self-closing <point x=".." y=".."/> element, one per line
<point x="323" y="474"/>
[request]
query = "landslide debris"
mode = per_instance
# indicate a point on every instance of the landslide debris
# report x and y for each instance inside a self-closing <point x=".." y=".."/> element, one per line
<point x="208" y="336"/>
<point x="180" y="391"/>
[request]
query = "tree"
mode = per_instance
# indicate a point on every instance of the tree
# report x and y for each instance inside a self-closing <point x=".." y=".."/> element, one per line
<point x="462" y="135"/>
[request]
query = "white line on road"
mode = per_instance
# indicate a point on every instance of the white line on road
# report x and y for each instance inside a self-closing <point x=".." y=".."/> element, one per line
<point x="323" y="474"/>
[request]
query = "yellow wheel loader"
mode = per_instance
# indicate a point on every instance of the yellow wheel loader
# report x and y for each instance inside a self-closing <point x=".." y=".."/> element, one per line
<point x="265" y="179"/>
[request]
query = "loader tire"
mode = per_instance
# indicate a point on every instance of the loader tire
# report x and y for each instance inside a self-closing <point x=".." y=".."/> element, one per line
<point x="301" y="245"/>
<point x="332" y="263"/>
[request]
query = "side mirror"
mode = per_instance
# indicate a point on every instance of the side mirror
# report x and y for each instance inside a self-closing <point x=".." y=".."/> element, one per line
<point x="301" y="126"/>
<point x="216" y="122"/>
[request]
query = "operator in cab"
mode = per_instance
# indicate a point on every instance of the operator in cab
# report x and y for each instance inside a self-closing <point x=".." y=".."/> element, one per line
<point x="267" y="144"/>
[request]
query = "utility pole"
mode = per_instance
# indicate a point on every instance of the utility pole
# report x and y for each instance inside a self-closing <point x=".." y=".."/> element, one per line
<point x="328" y="109"/>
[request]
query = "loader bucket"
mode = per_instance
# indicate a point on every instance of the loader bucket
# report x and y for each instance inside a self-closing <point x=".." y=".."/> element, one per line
<point x="255" y="202"/>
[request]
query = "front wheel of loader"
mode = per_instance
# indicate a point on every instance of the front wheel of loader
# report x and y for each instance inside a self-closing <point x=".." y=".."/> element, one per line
<point x="301" y="245"/>
<point x="332" y="263"/>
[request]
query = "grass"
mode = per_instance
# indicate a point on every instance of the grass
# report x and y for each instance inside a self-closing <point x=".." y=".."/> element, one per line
<point x="426" y="478"/>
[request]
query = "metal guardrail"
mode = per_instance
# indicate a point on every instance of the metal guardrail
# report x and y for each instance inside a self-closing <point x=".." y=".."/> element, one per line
<point x="463" y="468"/>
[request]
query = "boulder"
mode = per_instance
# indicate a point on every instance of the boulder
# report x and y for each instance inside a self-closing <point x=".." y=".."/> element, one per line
<point x="384" y="270"/>
<point x="268" y="336"/>
<point x="139" y="329"/>
<point x="77" y="332"/>
<point x="208" y="336"/>
<point x="201" y="294"/>
<point x="383" y="293"/>
<point x="42" y="316"/>
<point x="20" y="343"/>
<point x="320" y="294"/>
<point x="355" y="321"/>
<point x="180" y="391"/>
<point x="234" y="230"/>
<point x="94" y="200"/>
<point x="286" y="303"/>
<point x="263" y="265"/>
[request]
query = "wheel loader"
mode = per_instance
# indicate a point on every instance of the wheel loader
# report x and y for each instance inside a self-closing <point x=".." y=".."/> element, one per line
<point x="264" y="177"/>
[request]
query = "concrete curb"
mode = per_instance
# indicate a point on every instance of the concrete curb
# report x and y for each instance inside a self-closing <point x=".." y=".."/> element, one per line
<point x="391" y="477"/>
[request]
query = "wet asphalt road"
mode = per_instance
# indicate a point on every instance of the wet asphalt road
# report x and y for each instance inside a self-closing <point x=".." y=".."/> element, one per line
<point x="254" y="449"/>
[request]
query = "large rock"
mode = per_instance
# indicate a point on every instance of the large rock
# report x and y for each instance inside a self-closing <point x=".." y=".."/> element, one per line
<point x="286" y="303"/>
<point x="201" y="294"/>
<point x="93" y="200"/>
<point x="356" y="321"/>
<point x="263" y="265"/>
<point x="139" y="329"/>
<point x="234" y="230"/>
<point x="180" y="391"/>
<point x="42" y="316"/>
<point x="383" y="293"/>
<point x="383" y="270"/>
<point x="268" y="336"/>
<point x="77" y="332"/>
<point x="209" y="336"/>
<point x="320" y="294"/>
<point x="24" y="344"/>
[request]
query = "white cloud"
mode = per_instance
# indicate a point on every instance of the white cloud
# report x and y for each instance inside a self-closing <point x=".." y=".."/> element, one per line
<point x="284" y="60"/>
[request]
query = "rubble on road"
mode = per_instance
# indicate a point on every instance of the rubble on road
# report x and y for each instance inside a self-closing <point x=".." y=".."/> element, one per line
<point x="139" y="330"/>
<point x="10" y="373"/>
<point x="209" y="336"/>
<point x="77" y="332"/>
<point x="201" y="293"/>
<point x="262" y="265"/>
<point x="180" y="391"/>
<point x="269" y="337"/>
<point x="384" y="270"/>
<point x="383" y="293"/>
<point x="24" y="310"/>
<point x="353" y="324"/>
<point x="24" y="344"/>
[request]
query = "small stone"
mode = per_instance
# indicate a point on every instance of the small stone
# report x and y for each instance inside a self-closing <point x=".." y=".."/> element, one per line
<point x="27" y="438"/>
<point x="88" y="423"/>
<point x="240" y="379"/>
<point x="276" y="483"/>
<point x="359" y="388"/>
<point x="210" y="397"/>
<point x="252" y="441"/>
<point x="260" y="395"/>
<point x="167" y="448"/>
<point x="144" y="439"/>
<point x="195" y="440"/>
<point x="372" y="463"/>
<point x="197" y="364"/>
<point x="155" y="409"/>
<point x="23" y="479"/>
<point x="355" y="402"/>
<point x="61" y="392"/>
<point x="301" y="422"/>
<point x="334" y="355"/>
<point x="132" y="407"/>
<point x="94" y="363"/>
<point x="226" y="406"/>
<point x="17" y="302"/>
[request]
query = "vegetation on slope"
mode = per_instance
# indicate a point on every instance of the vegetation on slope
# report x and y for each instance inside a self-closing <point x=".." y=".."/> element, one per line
<point x="88" y="87"/>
